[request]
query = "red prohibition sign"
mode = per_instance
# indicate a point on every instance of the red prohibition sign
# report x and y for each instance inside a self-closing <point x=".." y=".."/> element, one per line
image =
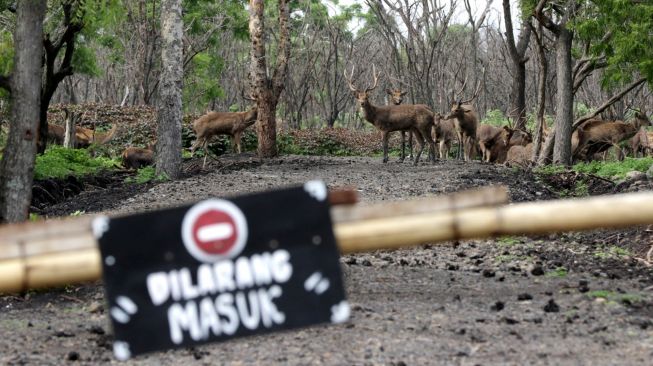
<point x="213" y="230"/>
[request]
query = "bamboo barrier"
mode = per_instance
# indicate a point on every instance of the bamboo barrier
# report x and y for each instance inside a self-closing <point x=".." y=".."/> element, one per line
<point x="59" y="252"/>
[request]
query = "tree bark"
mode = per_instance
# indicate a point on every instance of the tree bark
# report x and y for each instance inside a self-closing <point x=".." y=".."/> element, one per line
<point x="267" y="90"/>
<point x="168" y="145"/>
<point x="17" y="167"/>
<point x="517" y="56"/>
<point x="541" y="94"/>
<point x="564" y="98"/>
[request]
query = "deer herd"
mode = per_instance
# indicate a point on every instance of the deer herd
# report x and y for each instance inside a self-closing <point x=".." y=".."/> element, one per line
<point x="501" y="145"/>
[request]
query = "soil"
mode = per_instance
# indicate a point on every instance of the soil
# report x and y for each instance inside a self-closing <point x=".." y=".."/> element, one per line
<point x="559" y="299"/>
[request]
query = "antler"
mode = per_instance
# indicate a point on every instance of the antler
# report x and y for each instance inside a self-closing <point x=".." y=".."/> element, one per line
<point x="478" y="89"/>
<point x="247" y="97"/>
<point x="348" y="78"/>
<point x="456" y="96"/>
<point x="376" y="79"/>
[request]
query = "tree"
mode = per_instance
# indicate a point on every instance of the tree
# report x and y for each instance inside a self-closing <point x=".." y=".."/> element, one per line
<point x="564" y="36"/>
<point x="168" y="146"/>
<point x="17" y="167"/>
<point x="517" y="56"/>
<point x="266" y="90"/>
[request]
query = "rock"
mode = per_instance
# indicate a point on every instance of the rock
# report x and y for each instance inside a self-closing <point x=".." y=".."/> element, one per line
<point x="488" y="273"/>
<point x="497" y="306"/>
<point x="583" y="286"/>
<point x="96" y="329"/>
<point x="636" y="175"/>
<point x="537" y="270"/>
<point x="524" y="297"/>
<point x="649" y="172"/>
<point x="551" y="307"/>
<point x="95" y="307"/>
<point x="72" y="356"/>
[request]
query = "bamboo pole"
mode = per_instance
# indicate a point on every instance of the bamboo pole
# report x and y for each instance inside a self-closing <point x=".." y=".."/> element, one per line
<point x="523" y="218"/>
<point x="486" y="196"/>
<point x="79" y="258"/>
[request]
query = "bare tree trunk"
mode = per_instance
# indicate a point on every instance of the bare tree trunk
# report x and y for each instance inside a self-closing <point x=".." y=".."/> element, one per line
<point x="517" y="56"/>
<point x="168" y="145"/>
<point x="17" y="167"/>
<point x="267" y="90"/>
<point x="69" y="134"/>
<point x="541" y="93"/>
<point x="564" y="100"/>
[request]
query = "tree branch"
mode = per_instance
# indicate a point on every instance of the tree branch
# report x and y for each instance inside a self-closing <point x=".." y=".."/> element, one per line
<point x="610" y="102"/>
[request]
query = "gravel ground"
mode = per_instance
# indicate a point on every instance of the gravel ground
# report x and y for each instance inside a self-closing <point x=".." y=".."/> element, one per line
<point x="560" y="299"/>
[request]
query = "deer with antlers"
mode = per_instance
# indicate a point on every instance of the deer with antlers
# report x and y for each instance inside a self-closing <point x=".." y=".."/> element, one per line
<point x="232" y="124"/>
<point x="595" y="136"/>
<point x="416" y="118"/>
<point x="466" y="122"/>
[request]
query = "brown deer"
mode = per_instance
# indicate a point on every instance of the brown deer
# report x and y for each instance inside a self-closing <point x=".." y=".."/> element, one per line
<point x="639" y="144"/>
<point x="222" y="123"/>
<point x="466" y="122"/>
<point x="596" y="136"/>
<point x="416" y="118"/>
<point x="84" y="137"/>
<point x="493" y="142"/>
<point x="397" y="97"/>
<point x="136" y="157"/>
<point x="520" y="156"/>
<point x="445" y="132"/>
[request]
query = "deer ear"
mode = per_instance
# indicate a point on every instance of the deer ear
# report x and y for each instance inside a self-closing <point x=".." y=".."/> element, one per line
<point x="388" y="91"/>
<point x="404" y="93"/>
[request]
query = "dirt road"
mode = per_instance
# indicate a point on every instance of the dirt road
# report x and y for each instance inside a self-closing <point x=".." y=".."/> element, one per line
<point x="564" y="299"/>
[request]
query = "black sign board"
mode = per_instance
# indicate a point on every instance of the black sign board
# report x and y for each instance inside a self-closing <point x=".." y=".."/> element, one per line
<point x="221" y="269"/>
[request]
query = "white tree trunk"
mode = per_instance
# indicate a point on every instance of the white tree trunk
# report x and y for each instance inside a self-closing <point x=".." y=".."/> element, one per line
<point x="168" y="146"/>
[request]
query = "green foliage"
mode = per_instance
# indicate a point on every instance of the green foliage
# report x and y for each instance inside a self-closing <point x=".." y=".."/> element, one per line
<point x="628" y="49"/>
<point x="495" y="117"/>
<point x="611" y="296"/>
<point x="612" y="252"/>
<point x="618" y="169"/>
<point x="560" y="272"/>
<point x="59" y="162"/>
<point x="580" y="109"/>
<point x="146" y="175"/>
<point x="550" y="169"/>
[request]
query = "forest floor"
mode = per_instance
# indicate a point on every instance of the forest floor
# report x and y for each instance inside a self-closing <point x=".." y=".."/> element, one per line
<point x="560" y="299"/>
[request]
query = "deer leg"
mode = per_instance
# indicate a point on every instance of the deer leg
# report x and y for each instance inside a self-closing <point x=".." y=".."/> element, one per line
<point x="410" y="145"/>
<point x="426" y="134"/>
<point x="420" y="142"/>
<point x="461" y="143"/>
<point x="386" y="136"/>
<point x="236" y="140"/>
<point x="403" y="146"/>
<point x="206" y="153"/>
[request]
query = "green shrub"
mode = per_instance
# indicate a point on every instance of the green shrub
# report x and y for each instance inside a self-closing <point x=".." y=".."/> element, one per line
<point x="60" y="162"/>
<point x="495" y="117"/>
<point x="609" y="169"/>
<point x="145" y="175"/>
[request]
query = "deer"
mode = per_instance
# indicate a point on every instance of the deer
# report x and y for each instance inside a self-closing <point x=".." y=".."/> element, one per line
<point x="397" y="97"/>
<point x="444" y="132"/>
<point x="136" y="157"/>
<point x="520" y="156"/>
<point x="416" y="118"/>
<point x="640" y="144"/>
<point x="597" y="136"/>
<point x="232" y="124"/>
<point x="84" y="137"/>
<point x="493" y="142"/>
<point x="466" y="122"/>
